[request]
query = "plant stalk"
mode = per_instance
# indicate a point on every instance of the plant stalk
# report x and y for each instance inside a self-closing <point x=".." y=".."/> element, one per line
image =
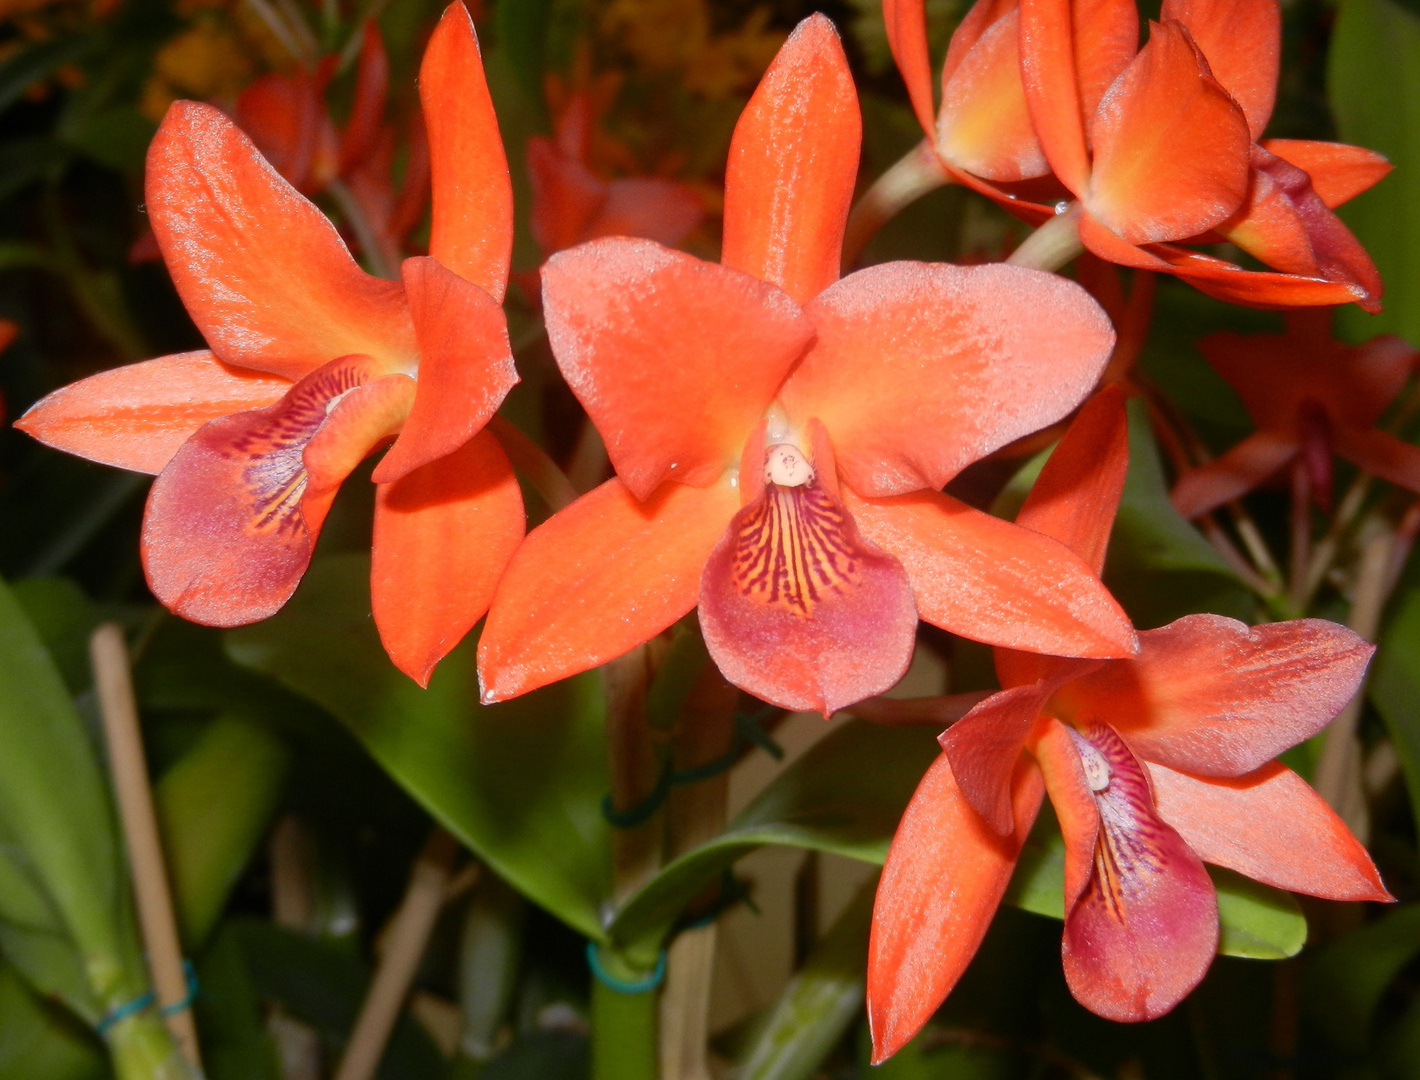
<point x="917" y="173"/>
<point x="1054" y="244"/>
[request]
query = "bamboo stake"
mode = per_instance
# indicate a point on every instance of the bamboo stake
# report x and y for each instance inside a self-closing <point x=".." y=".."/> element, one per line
<point x="157" y="921"/>
<point x="406" y="938"/>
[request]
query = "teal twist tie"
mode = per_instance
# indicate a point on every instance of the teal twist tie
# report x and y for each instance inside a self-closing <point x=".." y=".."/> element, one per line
<point x="625" y="986"/>
<point x="142" y="1001"/>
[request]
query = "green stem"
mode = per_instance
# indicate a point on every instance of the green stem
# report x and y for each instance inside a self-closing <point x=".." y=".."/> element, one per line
<point x="142" y="1049"/>
<point x="623" y="1028"/>
<point x="1052" y="245"/>
<point x="533" y="462"/>
<point x="919" y="172"/>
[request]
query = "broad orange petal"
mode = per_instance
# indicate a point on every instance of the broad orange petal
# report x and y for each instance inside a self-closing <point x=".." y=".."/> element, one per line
<point x="260" y="269"/>
<point x="793" y="165"/>
<point x="232" y="520"/>
<point x="367" y="111"/>
<point x="985" y="126"/>
<point x="136" y="417"/>
<point x="1271" y="826"/>
<point x="798" y="609"/>
<point x="906" y="25"/>
<point x="1106" y="39"/>
<point x="659" y="210"/>
<point x="1233" y="475"/>
<point x="1380" y="454"/>
<point x="1217" y="697"/>
<point x="1242" y="41"/>
<point x="920" y="369"/>
<point x="1338" y="172"/>
<point x="985" y="746"/>
<point x="943" y="880"/>
<point x="472" y="228"/>
<point x="1171" y="148"/>
<point x="1075" y="498"/>
<point x="443" y="535"/>
<point x="989" y="580"/>
<point x="597" y="579"/>
<point x="1053" y="91"/>
<point x="465" y="366"/>
<point x="673" y="358"/>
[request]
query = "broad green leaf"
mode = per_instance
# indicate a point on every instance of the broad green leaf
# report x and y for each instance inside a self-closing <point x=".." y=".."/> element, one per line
<point x="845" y="795"/>
<point x="520" y="783"/>
<point x="1394" y="687"/>
<point x="1374" y="83"/>
<point x="63" y="617"/>
<point x="1255" y="920"/>
<point x="214" y="806"/>
<point x="37" y="1042"/>
<point x="1345" y="984"/>
<point x="50" y="963"/>
<point x="235" y="1042"/>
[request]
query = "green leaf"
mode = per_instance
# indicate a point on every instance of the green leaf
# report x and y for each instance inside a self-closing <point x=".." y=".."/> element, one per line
<point x="1255" y="920"/>
<point x="37" y="1042"/>
<point x="1345" y="984"/>
<point x="1374" y="83"/>
<point x="214" y="806"/>
<point x="827" y="800"/>
<point x="1394" y="687"/>
<point x="520" y="783"/>
<point x="63" y="617"/>
<point x="522" y="37"/>
<point x="231" y="1023"/>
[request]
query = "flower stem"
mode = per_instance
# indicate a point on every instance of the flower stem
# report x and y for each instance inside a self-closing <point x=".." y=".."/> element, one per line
<point x="1052" y="245"/>
<point x="142" y="1049"/>
<point x="917" y="173"/>
<point x="534" y="463"/>
<point x="623" y="1030"/>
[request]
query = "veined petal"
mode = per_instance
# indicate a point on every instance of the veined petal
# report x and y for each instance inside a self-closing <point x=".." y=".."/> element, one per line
<point x="985" y="746"/>
<point x="1380" y="454"/>
<point x="355" y="424"/>
<point x="992" y="581"/>
<point x="945" y="874"/>
<point x="465" y="366"/>
<point x="136" y="417"/>
<point x="1145" y="928"/>
<point x="984" y="126"/>
<point x="798" y="609"/>
<point x="1242" y="41"/>
<point x="1338" y="172"/>
<point x="659" y="210"/>
<point x="472" y="228"/>
<point x="1217" y="697"/>
<point x="1271" y="826"/>
<point x="1171" y="149"/>
<point x="906" y="25"/>
<point x="920" y="369"/>
<point x="597" y="579"/>
<point x="793" y="165"/>
<point x="1053" y="91"/>
<point x="443" y="535"/>
<point x="1075" y="498"/>
<point x="260" y="269"/>
<point x="673" y="358"/>
<point x="226" y="536"/>
<point x="565" y="195"/>
<point x="1237" y="472"/>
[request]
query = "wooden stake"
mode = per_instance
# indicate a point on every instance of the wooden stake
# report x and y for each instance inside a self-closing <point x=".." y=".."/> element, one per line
<point x="114" y="683"/>
<point x="406" y="937"/>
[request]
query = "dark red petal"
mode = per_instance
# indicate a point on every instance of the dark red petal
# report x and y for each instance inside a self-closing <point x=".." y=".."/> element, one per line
<point x="798" y="609"/>
<point x="465" y="366"/>
<point x="1233" y="475"/>
<point x="1271" y="826"/>
<point x="674" y="359"/>
<point x="565" y="196"/>
<point x="367" y="111"/>
<point x="1217" y="697"/>
<point x="1144" y="931"/>
<point x="943" y="880"/>
<point x="659" y="210"/>
<point x="443" y="535"/>
<point x="232" y="519"/>
<point x="283" y="115"/>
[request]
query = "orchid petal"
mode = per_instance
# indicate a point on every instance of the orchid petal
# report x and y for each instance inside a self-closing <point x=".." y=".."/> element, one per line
<point x="1237" y="472"/>
<point x="1058" y="752"/>
<point x="1217" y="697"/>
<point x="263" y="273"/>
<point x="465" y="366"/>
<point x="1271" y="826"/>
<point x="372" y="77"/>
<point x="793" y="166"/>
<point x="565" y="195"/>
<point x="1338" y="172"/>
<point x="1380" y="454"/>
<point x="443" y="535"/>
<point x="798" y="609"/>
<point x="232" y="520"/>
<point x="1170" y="147"/>
<point x="985" y="746"/>
<point x="920" y="369"/>
<point x="597" y="579"/>
<point x="906" y="25"/>
<point x="659" y="210"/>
<point x="1053" y="91"/>
<point x="1075" y="498"/>
<point x="1106" y="39"/>
<point x="1242" y="41"/>
<point x="136" y="417"/>
<point x="992" y="581"/>
<point x="643" y="333"/>
<point x="472" y="228"/>
<point x="284" y="115"/>
<point x="943" y="880"/>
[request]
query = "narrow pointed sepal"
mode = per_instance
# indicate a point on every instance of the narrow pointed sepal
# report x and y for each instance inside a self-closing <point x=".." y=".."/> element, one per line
<point x="800" y="610"/>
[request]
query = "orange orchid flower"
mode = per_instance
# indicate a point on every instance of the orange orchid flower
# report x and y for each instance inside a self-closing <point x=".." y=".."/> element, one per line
<point x="1155" y="764"/>
<point x="571" y="204"/>
<point x="314" y="364"/>
<point x="1161" y="147"/>
<point x="1310" y="396"/>
<point x="781" y="436"/>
